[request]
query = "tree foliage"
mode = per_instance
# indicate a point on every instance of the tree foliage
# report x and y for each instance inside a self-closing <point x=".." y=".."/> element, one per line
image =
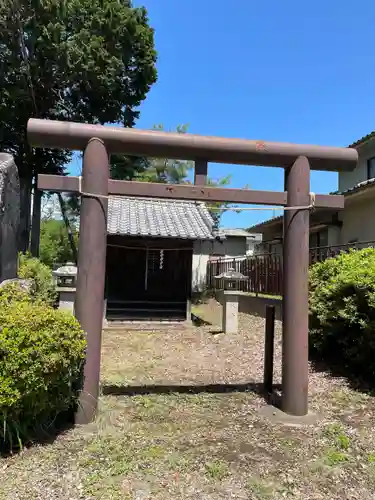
<point x="78" y="60"/>
<point x="172" y="171"/>
<point x="342" y="305"/>
<point x="55" y="247"/>
<point x="159" y="170"/>
<point x="164" y="170"/>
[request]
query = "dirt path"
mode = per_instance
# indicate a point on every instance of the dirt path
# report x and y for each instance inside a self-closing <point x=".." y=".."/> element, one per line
<point x="179" y="436"/>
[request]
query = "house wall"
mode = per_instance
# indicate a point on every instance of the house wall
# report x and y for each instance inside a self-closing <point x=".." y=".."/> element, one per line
<point x="201" y="252"/>
<point x="358" y="220"/>
<point x="230" y="247"/>
<point x="334" y="235"/>
<point x="349" y="179"/>
<point x="271" y="244"/>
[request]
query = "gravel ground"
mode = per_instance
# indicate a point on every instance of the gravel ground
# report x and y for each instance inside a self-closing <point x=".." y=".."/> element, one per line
<point x="180" y="418"/>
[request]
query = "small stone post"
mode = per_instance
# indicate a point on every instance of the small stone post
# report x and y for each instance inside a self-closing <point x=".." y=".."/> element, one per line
<point x="230" y="311"/>
<point x="66" y="280"/>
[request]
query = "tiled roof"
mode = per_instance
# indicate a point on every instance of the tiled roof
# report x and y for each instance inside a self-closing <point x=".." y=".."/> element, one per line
<point x="356" y="187"/>
<point x="159" y="218"/>
<point x="234" y="232"/>
<point x="259" y="227"/>
<point x="363" y="139"/>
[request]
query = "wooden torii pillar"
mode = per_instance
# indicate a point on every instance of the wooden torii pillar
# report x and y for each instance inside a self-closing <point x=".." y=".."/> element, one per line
<point x="98" y="142"/>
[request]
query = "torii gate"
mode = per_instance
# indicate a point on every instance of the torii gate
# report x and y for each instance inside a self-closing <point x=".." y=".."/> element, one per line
<point x="98" y="142"/>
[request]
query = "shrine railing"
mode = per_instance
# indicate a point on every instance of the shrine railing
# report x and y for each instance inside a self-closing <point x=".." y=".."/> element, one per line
<point x="322" y="253"/>
<point x="265" y="271"/>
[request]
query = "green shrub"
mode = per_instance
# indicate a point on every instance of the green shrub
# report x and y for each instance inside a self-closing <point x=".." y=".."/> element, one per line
<point x="342" y="305"/>
<point x="43" y="288"/>
<point x="41" y="358"/>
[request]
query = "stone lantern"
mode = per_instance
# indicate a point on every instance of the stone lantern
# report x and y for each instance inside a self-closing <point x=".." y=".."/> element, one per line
<point x="66" y="280"/>
<point x="231" y="278"/>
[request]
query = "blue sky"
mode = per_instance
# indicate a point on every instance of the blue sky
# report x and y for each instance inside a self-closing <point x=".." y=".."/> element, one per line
<point x="273" y="70"/>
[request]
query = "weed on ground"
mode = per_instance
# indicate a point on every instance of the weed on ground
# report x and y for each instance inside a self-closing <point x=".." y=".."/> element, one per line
<point x="192" y="428"/>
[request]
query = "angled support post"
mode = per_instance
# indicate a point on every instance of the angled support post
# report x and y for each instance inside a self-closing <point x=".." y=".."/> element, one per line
<point x="200" y="172"/>
<point x="295" y="293"/>
<point x="89" y="303"/>
<point x="269" y="349"/>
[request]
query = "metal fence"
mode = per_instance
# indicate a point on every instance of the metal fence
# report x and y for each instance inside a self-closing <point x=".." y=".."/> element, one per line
<point x="264" y="272"/>
<point x="322" y="253"/>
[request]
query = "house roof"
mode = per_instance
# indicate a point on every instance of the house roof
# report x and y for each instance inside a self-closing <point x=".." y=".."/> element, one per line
<point x="347" y="192"/>
<point x="258" y="228"/>
<point x="362" y="140"/>
<point x="236" y="232"/>
<point x="356" y="187"/>
<point x="159" y="218"/>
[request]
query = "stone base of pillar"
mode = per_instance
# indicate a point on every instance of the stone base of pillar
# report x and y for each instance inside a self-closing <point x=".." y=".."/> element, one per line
<point x="188" y="311"/>
<point x="105" y="321"/>
<point x="230" y="311"/>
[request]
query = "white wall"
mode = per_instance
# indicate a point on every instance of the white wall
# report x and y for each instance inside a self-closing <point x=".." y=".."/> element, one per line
<point x="349" y="179"/>
<point x="201" y="252"/>
<point x="358" y="219"/>
<point x="234" y="246"/>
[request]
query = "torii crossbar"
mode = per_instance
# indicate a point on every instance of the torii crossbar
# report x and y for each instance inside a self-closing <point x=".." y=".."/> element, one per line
<point x="98" y="142"/>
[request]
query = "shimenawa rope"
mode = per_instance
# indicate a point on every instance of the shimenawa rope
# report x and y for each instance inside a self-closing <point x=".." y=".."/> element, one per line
<point x="302" y="207"/>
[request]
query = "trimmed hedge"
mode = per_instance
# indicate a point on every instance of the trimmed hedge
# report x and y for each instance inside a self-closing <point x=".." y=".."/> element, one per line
<point x="42" y="353"/>
<point x="43" y="288"/>
<point x="342" y="305"/>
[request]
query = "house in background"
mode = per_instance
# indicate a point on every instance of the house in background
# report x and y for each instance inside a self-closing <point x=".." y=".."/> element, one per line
<point x="228" y="244"/>
<point x="330" y="228"/>
<point x="232" y="242"/>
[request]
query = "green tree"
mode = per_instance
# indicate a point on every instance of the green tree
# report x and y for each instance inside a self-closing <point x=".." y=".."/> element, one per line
<point x="160" y="170"/>
<point x="217" y="209"/>
<point x="170" y="171"/>
<point x="78" y="60"/>
<point x="55" y="247"/>
<point x="126" y="168"/>
<point x="163" y="170"/>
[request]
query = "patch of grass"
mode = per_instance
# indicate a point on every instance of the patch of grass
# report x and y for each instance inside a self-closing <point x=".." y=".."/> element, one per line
<point x="334" y="457"/>
<point x="336" y="434"/>
<point x="217" y="470"/>
<point x="264" y="296"/>
<point x="340" y="442"/>
<point x="259" y="489"/>
<point x="289" y="444"/>
<point x="349" y="397"/>
<point x="154" y="452"/>
<point x="169" y="446"/>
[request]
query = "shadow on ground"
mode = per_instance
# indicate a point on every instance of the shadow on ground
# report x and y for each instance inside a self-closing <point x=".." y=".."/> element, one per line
<point x="44" y="434"/>
<point x="198" y="321"/>
<point x="336" y="368"/>
<point x="139" y="390"/>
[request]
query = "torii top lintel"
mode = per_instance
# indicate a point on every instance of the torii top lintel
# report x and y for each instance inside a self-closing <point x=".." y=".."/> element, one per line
<point x="75" y="136"/>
